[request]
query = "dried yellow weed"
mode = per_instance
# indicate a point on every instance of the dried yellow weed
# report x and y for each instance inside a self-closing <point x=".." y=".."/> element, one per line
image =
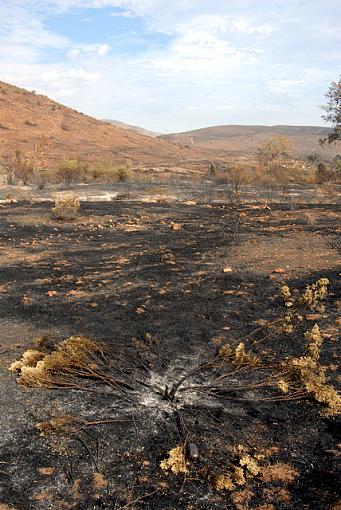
<point x="74" y="358"/>
<point x="314" y="293"/>
<point x="238" y="474"/>
<point x="314" y="342"/>
<point x="238" y="356"/>
<point x="176" y="461"/>
<point x="223" y="482"/>
<point x="250" y="464"/>
<point x="29" y="359"/>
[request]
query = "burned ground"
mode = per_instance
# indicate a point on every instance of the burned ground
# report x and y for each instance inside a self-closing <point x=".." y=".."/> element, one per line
<point x="148" y="280"/>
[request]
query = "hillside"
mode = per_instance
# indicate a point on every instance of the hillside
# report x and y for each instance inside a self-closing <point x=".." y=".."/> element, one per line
<point x="136" y="129"/>
<point x="243" y="141"/>
<point x="25" y="117"/>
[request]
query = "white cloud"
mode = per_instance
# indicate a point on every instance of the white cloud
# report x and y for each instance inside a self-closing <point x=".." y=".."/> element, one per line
<point x="200" y="107"/>
<point x="245" y="26"/>
<point x="202" y="46"/>
<point x="285" y="85"/>
<point x="122" y="14"/>
<point x="214" y="51"/>
<point x="55" y="75"/>
<point x="78" y="52"/>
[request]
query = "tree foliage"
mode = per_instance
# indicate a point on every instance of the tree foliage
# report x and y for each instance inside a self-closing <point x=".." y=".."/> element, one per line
<point x="70" y="171"/>
<point x="274" y="152"/>
<point x="333" y="111"/>
<point x="273" y="157"/>
<point x="18" y="166"/>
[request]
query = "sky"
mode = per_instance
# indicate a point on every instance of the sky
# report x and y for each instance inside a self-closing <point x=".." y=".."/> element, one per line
<point x="176" y="65"/>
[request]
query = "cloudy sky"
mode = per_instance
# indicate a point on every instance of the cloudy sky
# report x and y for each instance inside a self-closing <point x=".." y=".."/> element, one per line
<point x="174" y="65"/>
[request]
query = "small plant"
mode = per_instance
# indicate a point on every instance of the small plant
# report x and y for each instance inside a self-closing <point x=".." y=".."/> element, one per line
<point x="246" y="468"/>
<point x="108" y="171"/>
<point x="314" y="293"/>
<point x="310" y="298"/>
<point x="66" y="208"/>
<point x="176" y="461"/>
<point x="146" y="342"/>
<point x="304" y="375"/>
<point x="73" y="359"/>
<point x="124" y="173"/>
<point x="223" y="482"/>
<point x="314" y="342"/>
<point x="238" y="356"/>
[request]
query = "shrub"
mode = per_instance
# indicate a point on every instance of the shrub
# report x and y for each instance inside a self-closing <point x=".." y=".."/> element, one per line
<point x="66" y="208"/>
<point x="123" y="173"/>
<point x="71" y="170"/>
<point x="110" y="172"/>
<point x="323" y="173"/>
<point x="18" y="167"/>
<point x="213" y="168"/>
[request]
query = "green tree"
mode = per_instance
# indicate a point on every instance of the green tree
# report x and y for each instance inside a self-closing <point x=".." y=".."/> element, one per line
<point x="333" y="112"/>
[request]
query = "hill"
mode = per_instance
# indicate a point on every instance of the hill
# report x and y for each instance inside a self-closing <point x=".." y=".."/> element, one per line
<point x="239" y="142"/>
<point x="136" y="129"/>
<point x="25" y="117"/>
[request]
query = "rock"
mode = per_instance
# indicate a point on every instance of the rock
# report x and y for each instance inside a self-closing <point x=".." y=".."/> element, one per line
<point x="193" y="451"/>
<point x="176" y="226"/>
<point x="314" y="316"/>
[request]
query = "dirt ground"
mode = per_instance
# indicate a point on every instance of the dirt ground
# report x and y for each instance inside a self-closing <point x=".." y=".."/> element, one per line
<point x="164" y="285"/>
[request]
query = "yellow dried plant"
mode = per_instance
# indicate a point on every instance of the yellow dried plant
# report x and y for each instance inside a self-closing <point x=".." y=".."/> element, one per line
<point x="74" y="358"/>
<point x="314" y="342"/>
<point x="59" y="424"/>
<point x="176" y="461"/>
<point x="223" y="481"/>
<point x="286" y="295"/>
<point x="305" y="373"/>
<point x="310" y="298"/>
<point x="250" y="464"/>
<point x="238" y="356"/>
<point x="66" y="207"/>
<point x="237" y="475"/>
<point x="314" y="293"/>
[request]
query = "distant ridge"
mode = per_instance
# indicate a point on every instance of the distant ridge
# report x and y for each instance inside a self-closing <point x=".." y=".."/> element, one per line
<point x="239" y="140"/>
<point x="26" y="117"/>
<point x="137" y="129"/>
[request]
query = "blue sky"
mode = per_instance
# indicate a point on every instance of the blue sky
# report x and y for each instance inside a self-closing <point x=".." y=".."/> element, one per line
<point x="174" y="65"/>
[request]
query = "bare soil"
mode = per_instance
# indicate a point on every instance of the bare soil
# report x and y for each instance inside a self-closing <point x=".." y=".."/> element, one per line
<point x="157" y="295"/>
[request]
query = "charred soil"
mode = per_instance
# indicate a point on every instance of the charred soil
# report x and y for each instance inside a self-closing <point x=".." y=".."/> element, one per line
<point x="163" y="286"/>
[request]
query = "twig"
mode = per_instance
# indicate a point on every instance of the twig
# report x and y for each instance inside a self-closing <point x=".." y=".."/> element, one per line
<point x="89" y="452"/>
<point x="139" y="499"/>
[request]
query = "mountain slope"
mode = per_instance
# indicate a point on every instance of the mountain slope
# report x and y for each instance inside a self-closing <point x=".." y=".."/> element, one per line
<point x="237" y="141"/>
<point x="25" y="117"/>
<point x="136" y="129"/>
